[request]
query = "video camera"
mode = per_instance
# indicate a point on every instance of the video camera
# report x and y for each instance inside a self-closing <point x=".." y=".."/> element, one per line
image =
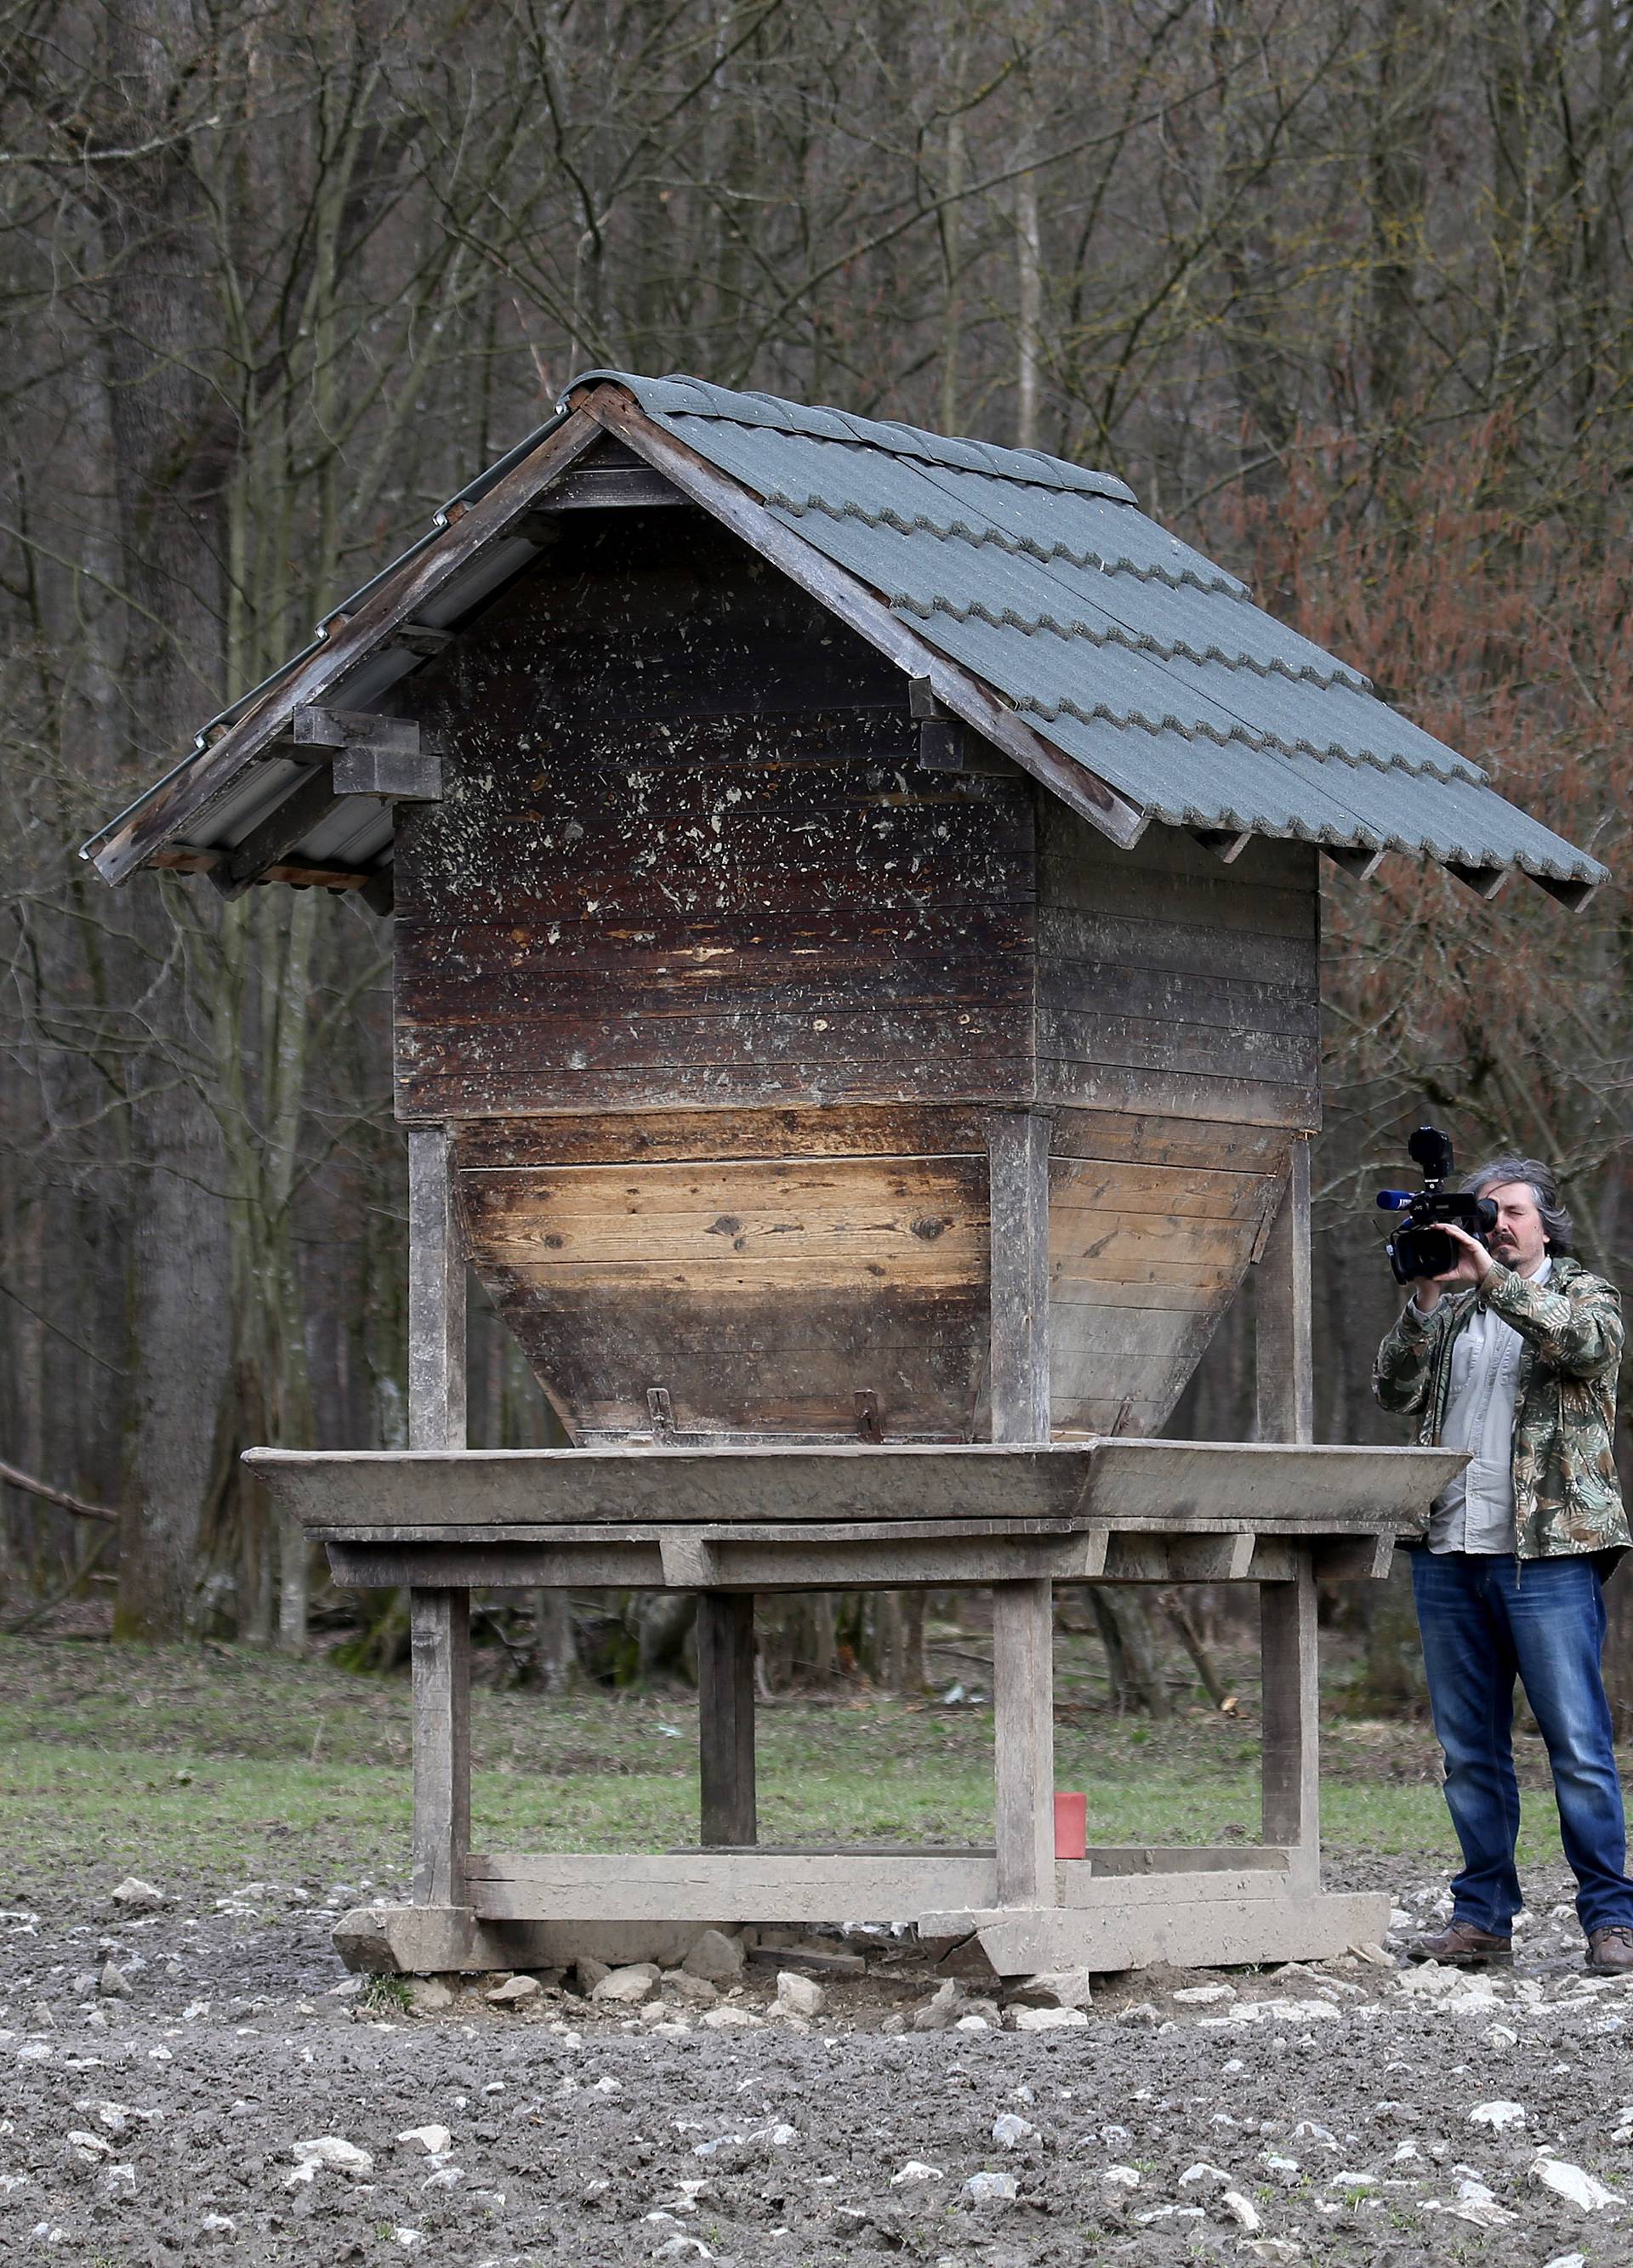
<point x="1422" y="1248"/>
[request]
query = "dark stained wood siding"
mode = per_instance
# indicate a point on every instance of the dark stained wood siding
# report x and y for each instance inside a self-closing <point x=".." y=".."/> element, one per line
<point x="1179" y="1026"/>
<point x="687" y="856"/>
<point x="1172" y="984"/>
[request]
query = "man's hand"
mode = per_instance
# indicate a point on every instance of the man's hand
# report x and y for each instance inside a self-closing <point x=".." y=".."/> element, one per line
<point x="1473" y="1265"/>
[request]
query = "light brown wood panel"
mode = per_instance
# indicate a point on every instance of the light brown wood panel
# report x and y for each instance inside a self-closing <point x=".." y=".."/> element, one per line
<point x="832" y="1130"/>
<point x="1092" y="1185"/>
<point x="1168" y="1140"/>
<point x="1190" y="1094"/>
<point x="757" y="1295"/>
<point x="1098" y="1242"/>
<point x="807" y="1212"/>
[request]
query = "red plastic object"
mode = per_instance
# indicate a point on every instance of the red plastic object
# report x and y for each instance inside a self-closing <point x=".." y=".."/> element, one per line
<point x="1071" y="1824"/>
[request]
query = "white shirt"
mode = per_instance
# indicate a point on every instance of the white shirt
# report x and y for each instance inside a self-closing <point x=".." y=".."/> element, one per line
<point x="1474" y="1512"/>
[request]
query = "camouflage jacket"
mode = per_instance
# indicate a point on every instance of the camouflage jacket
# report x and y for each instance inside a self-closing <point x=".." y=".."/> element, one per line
<point x="1567" y="1497"/>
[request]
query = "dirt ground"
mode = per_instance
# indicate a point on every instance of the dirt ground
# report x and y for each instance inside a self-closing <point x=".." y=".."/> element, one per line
<point x="1342" y="2113"/>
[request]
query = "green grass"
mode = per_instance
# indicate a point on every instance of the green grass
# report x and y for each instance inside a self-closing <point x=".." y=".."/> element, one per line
<point x="228" y="1767"/>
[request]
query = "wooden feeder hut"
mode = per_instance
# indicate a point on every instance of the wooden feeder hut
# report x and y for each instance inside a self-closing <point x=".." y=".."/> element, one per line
<point x="857" y="1012"/>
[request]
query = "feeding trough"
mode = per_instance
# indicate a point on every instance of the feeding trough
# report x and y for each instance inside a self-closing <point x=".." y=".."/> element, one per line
<point x="857" y="1012"/>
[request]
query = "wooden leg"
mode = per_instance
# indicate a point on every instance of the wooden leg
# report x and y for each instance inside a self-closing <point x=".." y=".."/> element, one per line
<point x="439" y="1622"/>
<point x="725" y="1716"/>
<point x="1024" y="1741"/>
<point x="1291" y="1769"/>
<point x="437" y="1306"/>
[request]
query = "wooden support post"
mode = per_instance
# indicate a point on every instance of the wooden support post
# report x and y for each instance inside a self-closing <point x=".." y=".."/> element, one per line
<point x="1017" y="1149"/>
<point x="1291" y="1767"/>
<point x="725" y="1717"/>
<point x="1022" y="1612"/>
<point x="1284" y="1375"/>
<point x="440" y="1619"/>
<point x="1290" y="1764"/>
<point x="1024" y="1741"/>
<point x="436" y="1351"/>
<point x="439" y="1630"/>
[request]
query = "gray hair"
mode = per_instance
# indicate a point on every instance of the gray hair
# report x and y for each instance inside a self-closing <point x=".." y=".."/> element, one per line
<point x="1540" y="1181"/>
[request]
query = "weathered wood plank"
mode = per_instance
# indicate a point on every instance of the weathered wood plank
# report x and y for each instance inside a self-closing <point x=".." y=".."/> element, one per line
<point x="725" y="1717"/>
<point x="1190" y="1093"/>
<point x="1094" y="1136"/>
<point x="631" y="1886"/>
<point x="1097" y="1185"/>
<point x="1188" y="1932"/>
<point x="909" y="1132"/>
<point x="1174" y="1484"/>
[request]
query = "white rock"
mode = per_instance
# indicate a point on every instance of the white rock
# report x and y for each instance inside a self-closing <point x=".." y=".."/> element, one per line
<point x="1142" y="2014"/>
<point x="1242" y="2211"/>
<point x="1203" y="2172"/>
<point x="1497" y="2115"/>
<point x="1058" y="1988"/>
<point x="113" y="1984"/>
<point x="916" y="2170"/>
<point x="1270" y="2247"/>
<point x="1203" y="1996"/>
<point x="515" y="1989"/>
<point x="1170" y="2213"/>
<point x="798" y="1996"/>
<point x="1049" y="2020"/>
<point x="1285" y="2170"/>
<point x="991" y="2189"/>
<point x="1278" y="2012"/>
<point x="219" y="2224"/>
<point x="137" y="1897"/>
<point x="982" y="2024"/>
<point x="727" y="2020"/>
<point x="429" y="1995"/>
<point x="1009" y="2131"/>
<point x="433" y="2140"/>
<point x="684" y="2248"/>
<point x="332" y="2151"/>
<point x="1124" y="2177"/>
<point x="628" y="1987"/>
<point x="1567" y="2260"/>
<point x="445" y="2178"/>
<point x="402" y="2236"/>
<point x="1572" y="2183"/>
<point x="118" y="2182"/>
<point x="717" y="1958"/>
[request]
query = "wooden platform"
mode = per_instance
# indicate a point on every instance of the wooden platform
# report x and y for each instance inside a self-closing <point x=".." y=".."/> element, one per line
<point x="730" y="1522"/>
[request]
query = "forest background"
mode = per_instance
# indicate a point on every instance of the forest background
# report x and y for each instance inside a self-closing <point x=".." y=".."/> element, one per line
<point x="1341" y="287"/>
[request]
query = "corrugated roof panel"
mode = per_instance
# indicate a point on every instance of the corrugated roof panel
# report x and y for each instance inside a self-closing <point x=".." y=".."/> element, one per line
<point x="926" y="569"/>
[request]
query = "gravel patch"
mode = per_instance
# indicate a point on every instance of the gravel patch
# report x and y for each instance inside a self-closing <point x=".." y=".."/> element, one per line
<point x="242" y="2100"/>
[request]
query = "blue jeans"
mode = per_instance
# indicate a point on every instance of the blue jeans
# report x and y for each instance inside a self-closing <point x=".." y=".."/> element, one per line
<point x="1486" y="1620"/>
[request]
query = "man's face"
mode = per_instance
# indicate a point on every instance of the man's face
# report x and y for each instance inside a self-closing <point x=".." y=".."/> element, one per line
<point x="1518" y="1240"/>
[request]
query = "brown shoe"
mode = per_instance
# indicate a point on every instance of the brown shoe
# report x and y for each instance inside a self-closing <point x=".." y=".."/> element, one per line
<point x="1462" y="1946"/>
<point x="1610" y="1951"/>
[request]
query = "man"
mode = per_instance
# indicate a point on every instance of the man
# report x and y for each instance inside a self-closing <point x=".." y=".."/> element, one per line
<point x="1511" y="1354"/>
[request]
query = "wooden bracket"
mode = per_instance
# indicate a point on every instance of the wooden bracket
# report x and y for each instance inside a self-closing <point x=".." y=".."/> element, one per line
<point x="1353" y="859"/>
<point x="1484" y="881"/>
<point x="867" y="1425"/>
<point x="943" y="747"/>
<point x="662" y="1412"/>
<point x="1227" y="844"/>
<point x="387" y="756"/>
